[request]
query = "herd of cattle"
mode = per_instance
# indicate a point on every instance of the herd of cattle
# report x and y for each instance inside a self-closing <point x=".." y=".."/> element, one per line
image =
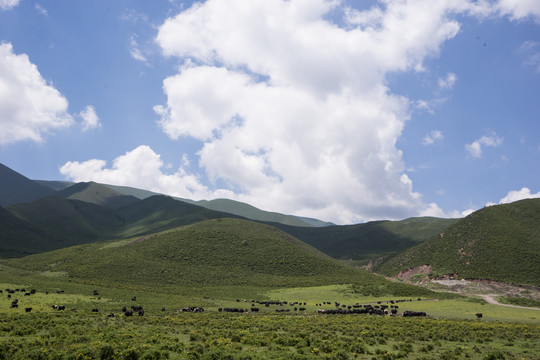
<point x="327" y="307"/>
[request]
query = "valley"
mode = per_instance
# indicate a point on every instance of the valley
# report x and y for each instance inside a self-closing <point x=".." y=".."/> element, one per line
<point x="93" y="273"/>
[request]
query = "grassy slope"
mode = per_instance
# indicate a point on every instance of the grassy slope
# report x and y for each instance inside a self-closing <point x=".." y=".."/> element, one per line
<point x="250" y="212"/>
<point x="65" y="222"/>
<point x="498" y="242"/>
<point x="97" y="194"/>
<point x="221" y="252"/>
<point x="15" y="232"/>
<point x="372" y="239"/>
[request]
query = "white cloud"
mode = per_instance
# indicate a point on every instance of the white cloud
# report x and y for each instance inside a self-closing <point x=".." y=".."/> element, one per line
<point x="519" y="9"/>
<point x="141" y="168"/>
<point x="41" y="9"/>
<point x="29" y="106"/>
<point x="433" y="137"/>
<point x="293" y="110"/>
<point x="90" y="120"/>
<point x="448" y="82"/>
<point x="515" y="195"/>
<point x="135" y="51"/>
<point x="8" y="4"/>
<point x="475" y="148"/>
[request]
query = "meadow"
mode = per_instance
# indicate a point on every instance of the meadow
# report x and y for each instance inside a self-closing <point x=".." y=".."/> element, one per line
<point x="450" y="331"/>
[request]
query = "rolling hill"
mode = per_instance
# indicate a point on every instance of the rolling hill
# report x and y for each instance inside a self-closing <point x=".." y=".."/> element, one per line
<point x="212" y="253"/>
<point x="500" y="242"/>
<point x="369" y="240"/>
<point x="16" y="188"/>
<point x="97" y="194"/>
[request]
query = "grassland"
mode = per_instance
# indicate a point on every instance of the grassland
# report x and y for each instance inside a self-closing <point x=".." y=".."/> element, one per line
<point x="451" y="330"/>
<point x="497" y="242"/>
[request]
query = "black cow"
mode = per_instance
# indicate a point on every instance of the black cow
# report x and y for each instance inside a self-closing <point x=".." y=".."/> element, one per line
<point x="478" y="315"/>
<point x="28" y="309"/>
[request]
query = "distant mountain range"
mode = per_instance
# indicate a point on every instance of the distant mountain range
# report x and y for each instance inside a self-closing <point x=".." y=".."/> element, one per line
<point x="499" y="242"/>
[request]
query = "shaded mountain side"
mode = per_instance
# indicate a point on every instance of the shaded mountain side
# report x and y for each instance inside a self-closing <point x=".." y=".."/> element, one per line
<point x="369" y="240"/>
<point x="500" y="242"/>
<point x="18" y="238"/>
<point x="220" y="252"/>
<point x="162" y="212"/>
<point x="59" y="222"/>
<point x="16" y="188"/>
<point x="64" y="222"/>
<point x="232" y="207"/>
<point x="54" y="184"/>
<point x="248" y="211"/>
<point x="97" y="194"/>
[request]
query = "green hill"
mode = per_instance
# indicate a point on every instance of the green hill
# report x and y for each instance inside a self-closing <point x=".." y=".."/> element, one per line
<point x="369" y="240"/>
<point x="499" y="242"/>
<point x="18" y="238"/>
<point x="16" y="188"/>
<point x="160" y="212"/>
<point x="64" y="222"/>
<point x="249" y="212"/>
<point x="53" y="222"/>
<point x="97" y="194"/>
<point x="220" y="252"/>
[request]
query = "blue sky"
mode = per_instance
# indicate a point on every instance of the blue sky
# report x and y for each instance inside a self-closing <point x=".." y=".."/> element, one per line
<point x="347" y="111"/>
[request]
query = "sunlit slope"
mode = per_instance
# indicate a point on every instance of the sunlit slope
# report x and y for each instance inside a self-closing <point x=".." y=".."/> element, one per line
<point x="372" y="239"/>
<point x="499" y="242"/>
<point x="222" y="252"/>
<point x="97" y="194"/>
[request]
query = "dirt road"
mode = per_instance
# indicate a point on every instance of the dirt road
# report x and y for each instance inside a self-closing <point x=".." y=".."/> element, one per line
<point x="491" y="300"/>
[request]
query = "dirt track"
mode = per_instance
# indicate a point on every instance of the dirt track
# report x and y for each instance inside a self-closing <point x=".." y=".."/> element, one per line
<point x="491" y="300"/>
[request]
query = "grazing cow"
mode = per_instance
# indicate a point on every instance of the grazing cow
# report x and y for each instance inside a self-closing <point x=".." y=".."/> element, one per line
<point x="111" y="315"/>
<point x="162" y="309"/>
<point x="409" y="313"/>
<point x="128" y="313"/>
<point x="28" y="309"/>
<point x="124" y="309"/>
<point x="134" y="298"/>
<point x="478" y="315"/>
<point x="95" y="310"/>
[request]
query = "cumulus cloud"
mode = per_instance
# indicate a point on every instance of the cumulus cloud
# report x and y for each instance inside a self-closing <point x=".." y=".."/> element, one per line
<point x="29" y="106"/>
<point x="515" y="195"/>
<point x="293" y="109"/>
<point x="476" y="147"/>
<point x="8" y="4"/>
<point x="141" y="168"/>
<point x="519" y="9"/>
<point x="90" y="120"/>
<point x="433" y="137"/>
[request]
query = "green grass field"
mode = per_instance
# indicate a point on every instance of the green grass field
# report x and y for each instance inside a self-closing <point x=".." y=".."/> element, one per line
<point x="451" y="331"/>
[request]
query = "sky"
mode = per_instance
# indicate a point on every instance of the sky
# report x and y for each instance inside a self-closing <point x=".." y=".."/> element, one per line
<point x="345" y="111"/>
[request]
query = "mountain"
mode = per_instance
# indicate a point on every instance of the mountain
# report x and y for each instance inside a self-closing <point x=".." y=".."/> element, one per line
<point x="250" y="212"/>
<point x="97" y="194"/>
<point x="54" y="184"/>
<point x="18" y="238"/>
<point x="220" y="252"/>
<point x="500" y="242"/>
<point x="369" y="240"/>
<point x="16" y="188"/>
<point x="161" y="212"/>
<point x="64" y="222"/>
